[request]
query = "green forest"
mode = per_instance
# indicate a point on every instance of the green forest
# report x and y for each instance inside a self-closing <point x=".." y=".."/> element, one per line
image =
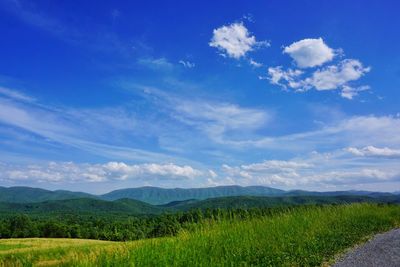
<point x="103" y="227"/>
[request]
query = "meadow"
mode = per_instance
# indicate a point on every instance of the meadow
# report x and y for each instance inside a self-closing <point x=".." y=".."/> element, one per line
<point x="304" y="236"/>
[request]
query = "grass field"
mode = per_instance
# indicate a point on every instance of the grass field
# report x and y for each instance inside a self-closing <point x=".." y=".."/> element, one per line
<point x="302" y="237"/>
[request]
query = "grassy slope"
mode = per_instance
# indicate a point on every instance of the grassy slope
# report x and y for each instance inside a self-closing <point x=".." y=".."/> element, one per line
<point x="302" y="237"/>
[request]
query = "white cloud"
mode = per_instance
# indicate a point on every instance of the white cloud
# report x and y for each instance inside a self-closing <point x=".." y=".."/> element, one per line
<point x="187" y="64"/>
<point x="75" y="127"/>
<point x="234" y="40"/>
<point x="331" y="77"/>
<point x="310" y="52"/>
<point x="156" y="63"/>
<point x="69" y="172"/>
<point x="169" y="171"/>
<point x="350" y="92"/>
<point x="212" y="174"/>
<point x="289" y="77"/>
<point x="316" y="170"/>
<point x="229" y="116"/>
<point x="213" y="118"/>
<point x="220" y="119"/>
<point x="372" y="151"/>
<point x="254" y="63"/>
<point x="269" y="172"/>
<point x="352" y="131"/>
<point x="334" y="76"/>
<point x="275" y="164"/>
<point x="14" y="94"/>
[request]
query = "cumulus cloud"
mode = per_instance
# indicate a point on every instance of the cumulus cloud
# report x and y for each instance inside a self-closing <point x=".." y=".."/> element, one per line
<point x="372" y="151"/>
<point x="309" y="52"/>
<point x="234" y="40"/>
<point x="269" y="172"/>
<point x="321" y="170"/>
<point x="284" y="78"/>
<point x="328" y="78"/>
<point x="57" y="172"/>
<point x="334" y="76"/>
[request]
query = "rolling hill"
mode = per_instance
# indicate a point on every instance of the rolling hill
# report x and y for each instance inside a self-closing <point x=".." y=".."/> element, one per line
<point x="162" y="196"/>
<point x="245" y="202"/>
<point x="155" y="195"/>
<point x="82" y="205"/>
<point x="22" y="194"/>
<point x="131" y="207"/>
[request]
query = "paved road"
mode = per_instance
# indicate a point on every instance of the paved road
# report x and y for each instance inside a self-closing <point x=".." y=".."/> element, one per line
<point x="381" y="251"/>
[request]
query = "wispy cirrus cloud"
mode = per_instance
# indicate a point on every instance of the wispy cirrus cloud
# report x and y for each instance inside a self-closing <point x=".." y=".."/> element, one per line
<point x="15" y="94"/>
<point x="120" y="132"/>
<point x="187" y="64"/>
<point x="213" y="118"/>
<point x="114" y="129"/>
<point x="349" y="131"/>
<point x="372" y="151"/>
<point x="367" y="161"/>
<point x="156" y="63"/>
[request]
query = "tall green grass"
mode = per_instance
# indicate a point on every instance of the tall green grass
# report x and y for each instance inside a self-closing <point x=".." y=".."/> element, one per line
<point x="306" y="236"/>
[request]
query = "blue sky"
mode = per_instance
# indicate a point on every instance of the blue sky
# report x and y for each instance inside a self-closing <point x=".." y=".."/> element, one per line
<point x="287" y="94"/>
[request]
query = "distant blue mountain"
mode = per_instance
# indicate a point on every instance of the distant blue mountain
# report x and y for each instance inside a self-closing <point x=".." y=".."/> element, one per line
<point x="160" y="196"/>
<point x="156" y="195"/>
<point x="23" y="194"/>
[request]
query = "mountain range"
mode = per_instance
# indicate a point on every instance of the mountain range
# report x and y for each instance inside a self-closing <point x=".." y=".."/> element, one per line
<point x="162" y="196"/>
<point x="129" y="207"/>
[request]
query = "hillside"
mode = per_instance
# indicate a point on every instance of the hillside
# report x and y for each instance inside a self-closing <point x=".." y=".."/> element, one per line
<point x="162" y="196"/>
<point x="81" y="205"/>
<point x="22" y="194"/>
<point x="307" y="236"/>
<point x="338" y="193"/>
<point x="245" y="202"/>
<point x="134" y="207"/>
<point x="155" y="195"/>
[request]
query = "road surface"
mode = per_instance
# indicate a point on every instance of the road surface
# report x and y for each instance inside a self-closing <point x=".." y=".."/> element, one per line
<point x="381" y="251"/>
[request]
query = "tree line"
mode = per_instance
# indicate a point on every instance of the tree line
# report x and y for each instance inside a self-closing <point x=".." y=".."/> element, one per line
<point x="113" y="228"/>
